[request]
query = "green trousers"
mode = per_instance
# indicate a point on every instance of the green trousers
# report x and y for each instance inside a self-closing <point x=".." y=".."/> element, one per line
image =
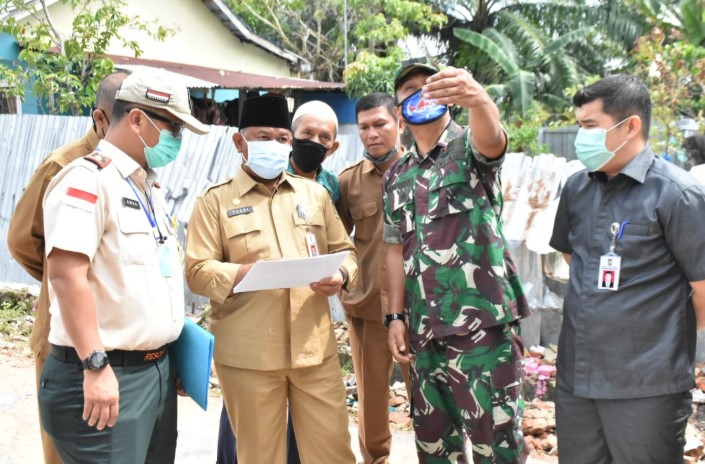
<point x="145" y="431"/>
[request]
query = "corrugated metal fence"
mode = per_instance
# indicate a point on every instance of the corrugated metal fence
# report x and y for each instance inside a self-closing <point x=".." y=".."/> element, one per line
<point x="25" y="140"/>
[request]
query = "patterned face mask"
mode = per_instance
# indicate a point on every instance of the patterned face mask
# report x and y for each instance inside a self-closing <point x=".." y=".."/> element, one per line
<point x="417" y="111"/>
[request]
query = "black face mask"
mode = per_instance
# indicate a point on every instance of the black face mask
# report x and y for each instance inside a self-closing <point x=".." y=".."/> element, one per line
<point x="308" y="155"/>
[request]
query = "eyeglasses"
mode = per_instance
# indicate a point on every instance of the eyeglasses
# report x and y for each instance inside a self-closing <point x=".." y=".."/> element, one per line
<point x="176" y="128"/>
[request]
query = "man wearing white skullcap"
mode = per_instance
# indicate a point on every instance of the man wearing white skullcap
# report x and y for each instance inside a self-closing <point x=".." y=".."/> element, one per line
<point x="315" y="128"/>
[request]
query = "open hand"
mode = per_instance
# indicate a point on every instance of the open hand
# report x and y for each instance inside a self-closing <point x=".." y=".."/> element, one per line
<point x="455" y="86"/>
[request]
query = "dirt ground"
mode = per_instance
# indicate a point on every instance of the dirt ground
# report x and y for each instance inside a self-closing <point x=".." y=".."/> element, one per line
<point x="198" y="429"/>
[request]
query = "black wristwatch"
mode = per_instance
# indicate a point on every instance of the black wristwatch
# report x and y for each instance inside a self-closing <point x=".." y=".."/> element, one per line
<point x="95" y="361"/>
<point x="388" y="318"/>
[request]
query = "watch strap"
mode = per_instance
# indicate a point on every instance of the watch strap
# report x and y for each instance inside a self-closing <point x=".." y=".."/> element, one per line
<point x="388" y="318"/>
<point x="88" y="363"/>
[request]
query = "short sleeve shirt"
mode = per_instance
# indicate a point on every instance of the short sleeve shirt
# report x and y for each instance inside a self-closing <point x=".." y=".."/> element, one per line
<point x="637" y="341"/>
<point x="445" y="209"/>
<point x="97" y="213"/>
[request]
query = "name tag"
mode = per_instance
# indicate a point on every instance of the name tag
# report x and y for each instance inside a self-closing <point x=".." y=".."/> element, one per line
<point x="130" y="203"/>
<point x="239" y="211"/>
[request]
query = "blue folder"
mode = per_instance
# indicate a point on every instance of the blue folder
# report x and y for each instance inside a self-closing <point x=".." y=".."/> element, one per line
<point x="192" y="355"/>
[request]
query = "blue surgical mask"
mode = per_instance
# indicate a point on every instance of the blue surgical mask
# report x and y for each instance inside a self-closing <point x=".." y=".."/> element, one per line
<point x="418" y="111"/>
<point x="268" y="159"/>
<point x="166" y="149"/>
<point x="591" y="148"/>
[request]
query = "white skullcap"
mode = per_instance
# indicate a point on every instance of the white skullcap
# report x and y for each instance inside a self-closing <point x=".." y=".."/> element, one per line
<point x="318" y="108"/>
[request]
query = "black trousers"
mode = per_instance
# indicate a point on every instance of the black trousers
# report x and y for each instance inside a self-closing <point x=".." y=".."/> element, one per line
<point x="622" y="431"/>
<point x="146" y="427"/>
<point x="227" y="445"/>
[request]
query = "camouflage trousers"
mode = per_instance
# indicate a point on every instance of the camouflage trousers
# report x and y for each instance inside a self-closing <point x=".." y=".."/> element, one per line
<point x="469" y="386"/>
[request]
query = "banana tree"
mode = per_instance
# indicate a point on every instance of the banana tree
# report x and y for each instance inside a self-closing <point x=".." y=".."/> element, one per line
<point x="533" y="66"/>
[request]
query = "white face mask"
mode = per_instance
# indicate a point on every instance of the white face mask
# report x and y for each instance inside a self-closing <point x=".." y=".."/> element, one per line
<point x="268" y="159"/>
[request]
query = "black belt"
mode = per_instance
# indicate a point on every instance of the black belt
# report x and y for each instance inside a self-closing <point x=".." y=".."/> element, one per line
<point x="68" y="354"/>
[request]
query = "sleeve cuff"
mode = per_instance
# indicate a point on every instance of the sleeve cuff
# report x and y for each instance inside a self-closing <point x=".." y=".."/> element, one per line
<point x="392" y="234"/>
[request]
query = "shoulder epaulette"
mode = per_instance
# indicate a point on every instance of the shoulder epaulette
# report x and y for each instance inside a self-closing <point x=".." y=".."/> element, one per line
<point x="98" y="159"/>
<point x="356" y="163"/>
<point x="218" y="184"/>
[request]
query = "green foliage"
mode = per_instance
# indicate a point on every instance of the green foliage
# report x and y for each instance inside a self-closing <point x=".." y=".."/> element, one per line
<point x="64" y="71"/>
<point x="315" y="30"/>
<point x="533" y="65"/>
<point x="674" y="72"/>
<point x="371" y="73"/>
<point x="685" y="18"/>
<point x="523" y="132"/>
<point x="16" y="313"/>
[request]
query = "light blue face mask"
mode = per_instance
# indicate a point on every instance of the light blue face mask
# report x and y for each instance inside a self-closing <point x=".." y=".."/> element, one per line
<point x="268" y="159"/>
<point x="165" y="151"/>
<point x="591" y="148"/>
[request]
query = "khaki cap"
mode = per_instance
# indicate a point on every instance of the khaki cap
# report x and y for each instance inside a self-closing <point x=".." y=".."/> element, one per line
<point x="155" y="89"/>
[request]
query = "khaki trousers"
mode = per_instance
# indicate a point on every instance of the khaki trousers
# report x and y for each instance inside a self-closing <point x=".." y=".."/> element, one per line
<point x="51" y="456"/>
<point x="257" y="404"/>
<point x="373" y="364"/>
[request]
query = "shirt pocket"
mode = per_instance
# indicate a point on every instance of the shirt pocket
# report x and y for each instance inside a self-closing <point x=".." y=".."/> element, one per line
<point x="138" y="244"/>
<point x="245" y="239"/>
<point x="451" y="193"/>
<point x="402" y="206"/>
<point x="315" y="223"/>
<point x="366" y="219"/>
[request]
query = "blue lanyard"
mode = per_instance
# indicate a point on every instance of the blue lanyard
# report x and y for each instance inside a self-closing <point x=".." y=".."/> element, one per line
<point x="151" y="217"/>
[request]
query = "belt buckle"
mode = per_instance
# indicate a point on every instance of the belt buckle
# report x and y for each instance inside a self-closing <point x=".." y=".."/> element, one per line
<point x="154" y="355"/>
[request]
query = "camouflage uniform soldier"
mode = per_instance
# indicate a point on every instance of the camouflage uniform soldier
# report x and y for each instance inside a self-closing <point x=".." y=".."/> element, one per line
<point x="450" y="273"/>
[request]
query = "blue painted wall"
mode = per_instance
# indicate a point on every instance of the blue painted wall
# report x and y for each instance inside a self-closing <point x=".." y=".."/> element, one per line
<point x="9" y="49"/>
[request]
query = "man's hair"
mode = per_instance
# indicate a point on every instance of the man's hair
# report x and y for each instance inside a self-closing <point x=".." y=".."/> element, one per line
<point x="120" y="110"/>
<point x="375" y="100"/>
<point x="622" y="95"/>
<point x="105" y="95"/>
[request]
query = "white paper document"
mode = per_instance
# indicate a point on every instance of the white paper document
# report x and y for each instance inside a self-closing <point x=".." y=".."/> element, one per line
<point x="290" y="273"/>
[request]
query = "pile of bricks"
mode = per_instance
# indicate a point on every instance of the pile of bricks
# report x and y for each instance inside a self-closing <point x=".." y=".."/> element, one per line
<point x="539" y="427"/>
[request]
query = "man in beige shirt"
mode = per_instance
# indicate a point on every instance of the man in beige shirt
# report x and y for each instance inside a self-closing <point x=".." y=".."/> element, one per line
<point x="108" y="392"/>
<point x="272" y="346"/>
<point x="25" y="237"/>
<point x="360" y="207"/>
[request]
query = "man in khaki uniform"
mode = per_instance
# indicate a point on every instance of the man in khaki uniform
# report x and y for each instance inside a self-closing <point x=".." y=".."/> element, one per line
<point x="108" y="392"/>
<point x="25" y="237"/>
<point x="272" y="346"/>
<point x="360" y="206"/>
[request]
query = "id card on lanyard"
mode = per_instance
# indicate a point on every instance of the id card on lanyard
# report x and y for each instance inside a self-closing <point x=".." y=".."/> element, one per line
<point x="611" y="263"/>
<point x="311" y="242"/>
<point x="167" y="252"/>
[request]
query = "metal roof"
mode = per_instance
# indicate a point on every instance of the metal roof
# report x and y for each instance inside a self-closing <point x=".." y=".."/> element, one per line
<point x="190" y="82"/>
<point x="224" y="78"/>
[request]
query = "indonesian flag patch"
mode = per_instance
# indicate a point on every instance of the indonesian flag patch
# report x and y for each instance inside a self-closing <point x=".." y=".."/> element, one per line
<point x="82" y="195"/>
<point x="162" y="97"/>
